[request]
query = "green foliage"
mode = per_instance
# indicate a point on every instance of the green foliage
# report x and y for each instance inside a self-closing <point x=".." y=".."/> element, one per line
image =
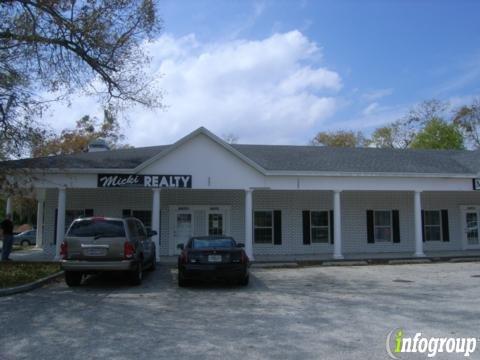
<point x="438" y="134"/>
<point x="72" y="141"/>
<point x="50" y="50"/>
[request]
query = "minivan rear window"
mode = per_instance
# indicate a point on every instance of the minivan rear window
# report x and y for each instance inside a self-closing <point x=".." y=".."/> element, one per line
<point x="97" y="228"/>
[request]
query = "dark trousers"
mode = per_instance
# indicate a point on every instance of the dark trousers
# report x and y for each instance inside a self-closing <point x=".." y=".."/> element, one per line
<point x="7" y="246"/>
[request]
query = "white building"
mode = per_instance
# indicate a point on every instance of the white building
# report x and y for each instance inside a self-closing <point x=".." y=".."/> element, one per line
<point x="283" y="202"/>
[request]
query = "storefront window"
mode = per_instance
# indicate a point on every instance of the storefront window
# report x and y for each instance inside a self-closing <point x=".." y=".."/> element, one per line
<point x="383" y="226"/>
<point x="319" y="226"/>
<point x="432" y="225"/>
<point x="263" y="227"/>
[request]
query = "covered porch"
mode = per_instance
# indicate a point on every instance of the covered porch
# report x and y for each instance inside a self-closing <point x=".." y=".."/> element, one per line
<point x="338" y="221"/>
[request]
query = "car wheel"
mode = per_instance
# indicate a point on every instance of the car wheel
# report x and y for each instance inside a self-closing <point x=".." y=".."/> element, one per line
<point x="25" y="243"/>
<point x="73" y="278"/>
<point x="136" y="276"/>
<point x="244" y="281"/>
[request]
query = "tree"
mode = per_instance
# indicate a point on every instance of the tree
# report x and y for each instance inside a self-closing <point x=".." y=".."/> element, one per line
<point x="468" y="119"/>
<point x="438" y="134"/>
<point x="76" y="140"/>
<point x="64" y="47"/>
<point x="398" y="135"/>
<point x="401" y="133"/>
<point x="340" y="138"/>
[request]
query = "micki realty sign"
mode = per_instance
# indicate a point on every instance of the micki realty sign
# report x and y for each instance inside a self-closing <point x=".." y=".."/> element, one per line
<point x="144" y="181"/>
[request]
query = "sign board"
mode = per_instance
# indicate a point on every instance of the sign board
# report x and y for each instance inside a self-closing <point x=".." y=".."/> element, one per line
<point x="144" y="181"/>
<point x="476" y="184"/>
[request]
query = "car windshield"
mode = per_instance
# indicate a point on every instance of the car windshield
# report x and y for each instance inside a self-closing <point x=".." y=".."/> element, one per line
<point x="97" y="228"/>
<point x="212" y="243"/>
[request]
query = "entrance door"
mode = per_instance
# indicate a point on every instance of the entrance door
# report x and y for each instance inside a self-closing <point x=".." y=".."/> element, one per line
<point x="183" y="228"/>
<point x="471" y="227"/>
<point x="215" y="223"/>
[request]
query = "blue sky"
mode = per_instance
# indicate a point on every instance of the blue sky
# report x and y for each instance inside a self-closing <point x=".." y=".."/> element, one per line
<point x="280" y="71"/>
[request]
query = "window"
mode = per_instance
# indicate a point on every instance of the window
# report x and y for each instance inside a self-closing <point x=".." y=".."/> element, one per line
<point x="319" y="227"/>
<point x="203" y="243"/>
<point x="383" y="226"/>
<point x="141" y="229"/>
<point x="132" y="228"/>
<point x="432" y="225"/>
<point x="145" y="216"/>
<point x="97" y="227"/>
<point x="71" y="215"/>
<point x="215" y="224"/>
<point x="263" y="227"/>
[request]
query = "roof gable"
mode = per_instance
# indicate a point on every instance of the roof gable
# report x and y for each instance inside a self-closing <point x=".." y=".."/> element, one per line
<point x="192" y="135"/>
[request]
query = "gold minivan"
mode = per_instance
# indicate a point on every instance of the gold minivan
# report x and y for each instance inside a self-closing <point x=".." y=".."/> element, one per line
<point x="96" y="244"/>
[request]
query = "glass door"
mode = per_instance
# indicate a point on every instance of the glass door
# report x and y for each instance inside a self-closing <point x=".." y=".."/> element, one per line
<point x="471" y="223"/>
<point x="183" y="228"/>
<point x="215" y="223"/>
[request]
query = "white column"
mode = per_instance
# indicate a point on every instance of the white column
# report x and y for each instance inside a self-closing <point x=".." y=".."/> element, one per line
<point x="61" y="207"/>
<point x="156" y="220"/>
<point x="417" y="210"/>
<point x="39" y="235"/>
<point x="249" y="224"/>
<point x="337" y="226"/>
<point x="8" y="208"/>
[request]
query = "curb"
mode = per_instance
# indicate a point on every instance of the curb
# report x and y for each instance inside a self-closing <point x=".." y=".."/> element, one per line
<point x="464" y="259"/>
<point x="330" y="263"/>
<point x="274" y="265"/>
<point x="409" y="261"/>
<point x="345" y="263"/>
<point x="30" y="286"/>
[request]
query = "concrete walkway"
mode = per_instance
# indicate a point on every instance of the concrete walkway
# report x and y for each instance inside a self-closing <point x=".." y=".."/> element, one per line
<point x="33" y="254"/>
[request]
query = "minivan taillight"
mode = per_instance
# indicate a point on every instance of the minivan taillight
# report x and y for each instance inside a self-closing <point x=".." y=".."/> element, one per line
<point x="63" y="250"/>
<point x="128" y="250"/>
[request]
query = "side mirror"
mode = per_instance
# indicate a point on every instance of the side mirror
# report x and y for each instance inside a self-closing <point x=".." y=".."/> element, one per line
<point x="180" y="246"/>
<point x="151" y="233"/>
<point x="240" y="245"/>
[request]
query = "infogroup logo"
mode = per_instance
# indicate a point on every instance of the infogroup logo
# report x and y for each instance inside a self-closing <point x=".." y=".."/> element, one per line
<point x="397" y="343"/>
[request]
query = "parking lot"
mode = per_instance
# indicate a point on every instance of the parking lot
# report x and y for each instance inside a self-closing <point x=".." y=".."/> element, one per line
<point x="300" y="313"/>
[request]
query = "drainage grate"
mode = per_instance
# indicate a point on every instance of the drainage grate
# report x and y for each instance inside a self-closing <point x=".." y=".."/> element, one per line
<point x="476" y="276"/>
<point x="403" y="281"/>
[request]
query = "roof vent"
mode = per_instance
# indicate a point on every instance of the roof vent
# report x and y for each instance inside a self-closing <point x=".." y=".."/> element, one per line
<point x="98" y="145"/>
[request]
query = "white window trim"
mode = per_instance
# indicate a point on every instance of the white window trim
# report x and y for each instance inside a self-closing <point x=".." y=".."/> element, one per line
<point x="440" y="225"/>
<point x="320" y="227"/>
<point x="375" y="226"/>
<point x="264" y="227"/>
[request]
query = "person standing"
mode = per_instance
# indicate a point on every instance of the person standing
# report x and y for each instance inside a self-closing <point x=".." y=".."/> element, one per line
<point x="7" y="229"/>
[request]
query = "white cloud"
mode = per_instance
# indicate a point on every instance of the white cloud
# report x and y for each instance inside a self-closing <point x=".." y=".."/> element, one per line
<point x="377" y="94"/>
<point x="370" y="109"/>
<point x="273" y="90"/>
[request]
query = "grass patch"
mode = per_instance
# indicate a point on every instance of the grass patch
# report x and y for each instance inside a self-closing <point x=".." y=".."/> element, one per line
<point x="18" y="273"/>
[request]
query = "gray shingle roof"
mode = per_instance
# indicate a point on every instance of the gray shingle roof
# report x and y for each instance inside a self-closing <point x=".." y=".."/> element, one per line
<point x="286" y="158"/>
<point x="113" y="159"/>
<point x="371" y="160"/>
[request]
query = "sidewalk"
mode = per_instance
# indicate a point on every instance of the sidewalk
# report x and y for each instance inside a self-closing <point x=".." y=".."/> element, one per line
<point x="33" y="254"/>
